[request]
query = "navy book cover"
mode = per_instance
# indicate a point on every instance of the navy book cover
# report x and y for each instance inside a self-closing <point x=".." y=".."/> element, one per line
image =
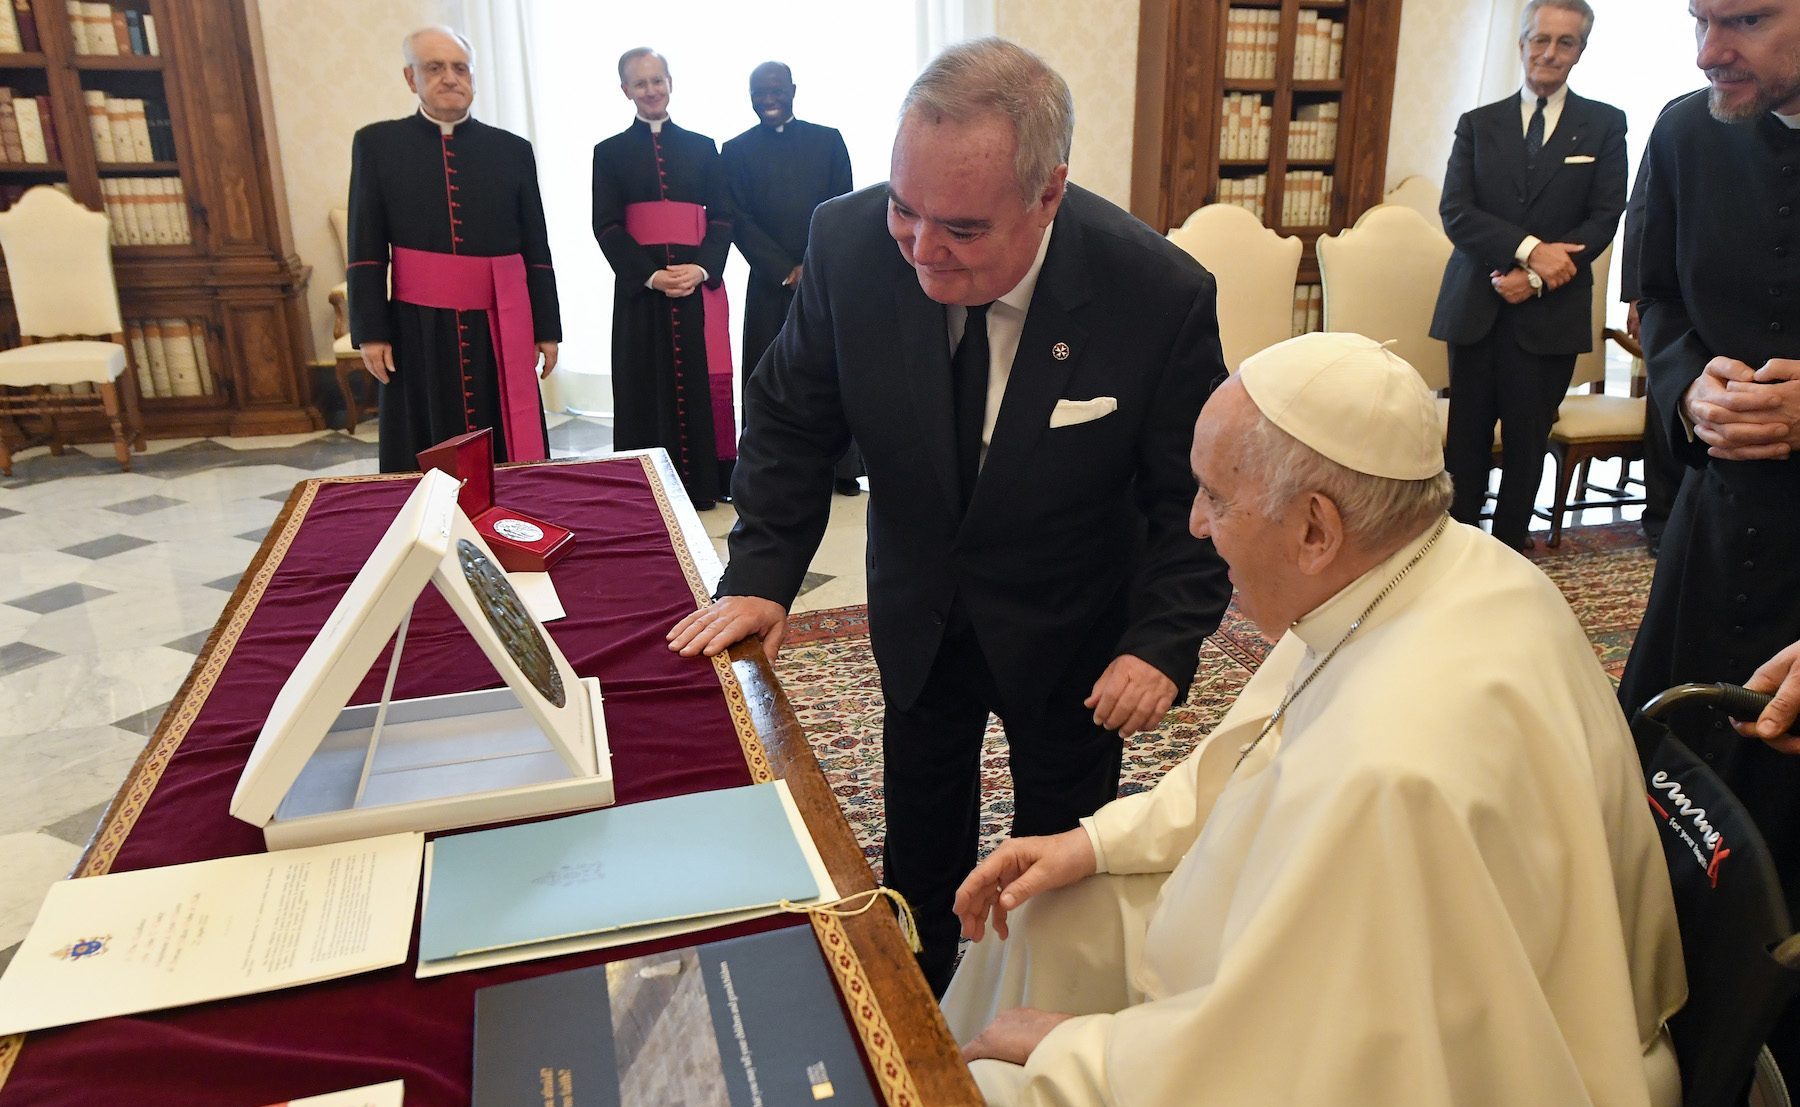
<point x="745" y="1022"/>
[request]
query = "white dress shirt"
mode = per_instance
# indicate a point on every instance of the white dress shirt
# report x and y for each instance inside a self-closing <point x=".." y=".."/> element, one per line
<point x="1005" y="322"/>
<point x="1553" y="106"/>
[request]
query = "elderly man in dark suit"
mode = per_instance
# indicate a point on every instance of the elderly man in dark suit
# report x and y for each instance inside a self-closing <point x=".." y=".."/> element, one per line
<point x="1532" y="196"/>
<point x="1022" y="374"/>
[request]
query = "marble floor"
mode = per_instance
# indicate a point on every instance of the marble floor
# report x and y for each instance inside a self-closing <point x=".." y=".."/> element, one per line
<point x="110" y="581"/>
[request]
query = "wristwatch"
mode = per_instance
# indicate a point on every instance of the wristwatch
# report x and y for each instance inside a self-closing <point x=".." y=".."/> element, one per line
<point x="1537" y="282"/>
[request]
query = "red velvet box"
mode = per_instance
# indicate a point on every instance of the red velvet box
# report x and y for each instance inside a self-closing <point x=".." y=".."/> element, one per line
<point x="523" y="543"/>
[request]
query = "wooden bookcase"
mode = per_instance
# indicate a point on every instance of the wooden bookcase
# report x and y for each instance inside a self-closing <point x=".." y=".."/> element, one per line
<point x="239" y="277"/>
<point x="1182" y="84"/>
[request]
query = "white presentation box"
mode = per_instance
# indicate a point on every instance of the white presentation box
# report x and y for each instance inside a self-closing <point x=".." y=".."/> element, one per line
<point x="322" y="771"/>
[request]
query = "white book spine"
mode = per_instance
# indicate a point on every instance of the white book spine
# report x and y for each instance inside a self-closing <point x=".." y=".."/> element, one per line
<point x="184" y="370"/>
<point x="98" y="125"/>
<point x="118" y="121"/>
<point x="159" y="358"/>
<point x="78" y="36"/>
<point x="178" y="210"/>
<point x="138" y="124"/>
<point x="31" y="130"/>
<point x="149" y="22"/>
<point x="207" y="387"/>
<point x="134" y="335"/>
<point x="101" y="39"/>
<point x="10" y="42"/>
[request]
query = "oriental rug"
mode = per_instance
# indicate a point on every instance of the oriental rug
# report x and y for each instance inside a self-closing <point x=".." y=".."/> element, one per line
<point x="829" y="675"/>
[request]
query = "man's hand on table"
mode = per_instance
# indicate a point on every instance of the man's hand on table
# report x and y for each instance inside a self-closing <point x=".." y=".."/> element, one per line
<point x="727" y="621"/>
<point x="1131" y="695"/>
<point x="1013" y="1034"/>
<point x="1019" y="869"/>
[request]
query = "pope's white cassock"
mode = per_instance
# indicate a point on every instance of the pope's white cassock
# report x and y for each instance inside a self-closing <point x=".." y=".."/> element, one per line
<point x="1436" y="881"/>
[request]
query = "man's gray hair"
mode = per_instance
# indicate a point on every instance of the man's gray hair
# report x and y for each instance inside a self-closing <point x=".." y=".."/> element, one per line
<point x="637" y="52"/>
<point x="411" y="54"/>
<point x="991" y="76"/>
<point x="1377" y="511"/>
<point x="1579" y="7"/>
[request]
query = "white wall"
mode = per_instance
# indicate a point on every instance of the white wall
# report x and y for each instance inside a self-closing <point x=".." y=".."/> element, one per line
<point x="1094" y="46"/>
<point x="334" y="65"/>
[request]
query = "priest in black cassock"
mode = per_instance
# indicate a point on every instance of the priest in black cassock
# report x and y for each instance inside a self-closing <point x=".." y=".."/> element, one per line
<point x="662" y="217"/>
<point x="453" y="205"/>
<point x="779" y="171"/>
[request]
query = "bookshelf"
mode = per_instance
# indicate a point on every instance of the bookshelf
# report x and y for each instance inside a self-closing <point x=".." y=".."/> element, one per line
<point x="157" y="112"/>
<point x="1280" y="106"/>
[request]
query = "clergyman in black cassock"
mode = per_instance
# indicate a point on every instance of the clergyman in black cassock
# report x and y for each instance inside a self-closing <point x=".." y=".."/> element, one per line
<point x="778" y="172"/>
<point x="672" y="383"/>
<point x="440" y="182"/>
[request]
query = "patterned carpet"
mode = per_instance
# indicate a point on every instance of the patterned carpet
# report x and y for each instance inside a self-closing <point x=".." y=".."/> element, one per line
<point x="830" y="677"/>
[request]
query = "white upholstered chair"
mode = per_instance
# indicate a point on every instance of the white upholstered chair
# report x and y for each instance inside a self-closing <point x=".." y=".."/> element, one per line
<point x="59" y="263"/>
<point x="1255" y="268"/>
<point x="1420" y="194"/>
<point x="349" y="360"/>
<point x="1591" y="424"/>
<point x="1381" y="279"/>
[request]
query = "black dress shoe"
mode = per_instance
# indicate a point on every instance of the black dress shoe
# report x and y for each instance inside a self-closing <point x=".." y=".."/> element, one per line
<point x="848" y="486"/>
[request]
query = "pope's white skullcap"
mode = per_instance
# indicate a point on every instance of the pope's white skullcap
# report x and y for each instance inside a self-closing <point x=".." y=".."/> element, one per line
<point x="1351" y="399"/>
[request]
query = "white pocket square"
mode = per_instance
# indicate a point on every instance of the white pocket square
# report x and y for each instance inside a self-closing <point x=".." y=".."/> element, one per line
<point x="1070" y="412"/>
<point x="1578" y="159"/>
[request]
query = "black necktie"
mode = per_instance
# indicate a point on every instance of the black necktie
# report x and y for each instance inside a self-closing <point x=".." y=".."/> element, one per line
<point x="1534" y="132"/>
<point x="969" y="378"/>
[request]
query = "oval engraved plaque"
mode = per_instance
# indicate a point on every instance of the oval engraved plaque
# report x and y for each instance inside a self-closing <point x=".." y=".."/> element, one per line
<point x="518" y="530"/>
<point x="507" y="615"/>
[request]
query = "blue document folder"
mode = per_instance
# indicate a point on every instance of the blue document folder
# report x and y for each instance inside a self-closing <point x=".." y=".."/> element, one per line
<point x="677" y="858"/>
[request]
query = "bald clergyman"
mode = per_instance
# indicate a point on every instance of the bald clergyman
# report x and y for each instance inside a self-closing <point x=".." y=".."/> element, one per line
<point x="1411" y="865"/>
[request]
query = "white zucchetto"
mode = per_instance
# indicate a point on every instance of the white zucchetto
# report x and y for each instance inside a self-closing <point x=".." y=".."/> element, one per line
<point x="1352" y="400"/>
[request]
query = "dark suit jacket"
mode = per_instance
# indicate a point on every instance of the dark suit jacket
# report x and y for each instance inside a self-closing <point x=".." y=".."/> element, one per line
<point x="1493" y="199"/>
<point x="1075" y="546"/>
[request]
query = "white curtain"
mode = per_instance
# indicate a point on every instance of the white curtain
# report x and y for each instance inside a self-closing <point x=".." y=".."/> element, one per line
<point x="943" y="23"/>
<point x="1501" y="68"/>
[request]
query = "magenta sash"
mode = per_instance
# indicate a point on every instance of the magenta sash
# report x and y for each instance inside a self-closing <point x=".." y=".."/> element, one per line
<point x="670" y="222"/>
<point x="496" y="285"/>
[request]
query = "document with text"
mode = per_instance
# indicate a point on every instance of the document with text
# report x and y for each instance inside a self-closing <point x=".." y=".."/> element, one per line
<point x="141" y="941"/>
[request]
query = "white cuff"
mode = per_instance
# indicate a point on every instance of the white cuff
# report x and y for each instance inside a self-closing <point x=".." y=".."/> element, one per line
<point x="1087" y="824"/>
<point x="1523" y="253"/>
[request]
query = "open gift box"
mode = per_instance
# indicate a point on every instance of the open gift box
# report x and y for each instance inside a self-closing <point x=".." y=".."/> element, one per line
<point x="522" y="543"/>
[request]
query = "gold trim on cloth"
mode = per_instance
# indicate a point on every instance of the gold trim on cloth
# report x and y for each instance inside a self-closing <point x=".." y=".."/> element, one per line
<point x="891" y="1073"/>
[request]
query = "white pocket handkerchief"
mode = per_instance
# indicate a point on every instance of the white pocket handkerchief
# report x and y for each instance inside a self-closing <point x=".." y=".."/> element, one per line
<point x="1070" y="412"/>
<point x="1578" y="159"/>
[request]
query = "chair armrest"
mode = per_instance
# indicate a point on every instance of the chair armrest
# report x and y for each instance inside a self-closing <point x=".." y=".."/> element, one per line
<point x="340" y="317"/>
<point x="1624" y="341"/>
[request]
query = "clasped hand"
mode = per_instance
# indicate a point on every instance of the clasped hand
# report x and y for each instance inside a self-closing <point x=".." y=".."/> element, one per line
<point x="1745" y="414"/>
<point x="675" y="281"/>
<point x="1554" y="262"/>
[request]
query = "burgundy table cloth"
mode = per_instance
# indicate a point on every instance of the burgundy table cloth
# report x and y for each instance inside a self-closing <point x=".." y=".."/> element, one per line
<point x="676" y="725"/>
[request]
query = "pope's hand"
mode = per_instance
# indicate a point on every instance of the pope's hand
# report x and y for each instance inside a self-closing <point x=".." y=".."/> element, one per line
<point x="1013" y="1035"/>
<point x="1131" y="695"/>
<point x="727" y="621"/>
<point x="1019" y="869"/>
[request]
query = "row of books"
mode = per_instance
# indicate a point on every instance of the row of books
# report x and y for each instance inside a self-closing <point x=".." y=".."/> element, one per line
<point x="170" y="355"/>
<point x="147" y="211"/>
<point x="1245" y="124"/>
<point x="1318" y="48"/>
<point x="1246" y="192"/>
<point x="129" y="129"/>
<point x="18" y="28"/>
<point x="27" y="130"/>
<point x="1306" y="198"/>
<point x="1312" y="135"/>
<point x="1251" y="35"/>
<point x="97" y="27"/>
<point x="1309" y="308"/>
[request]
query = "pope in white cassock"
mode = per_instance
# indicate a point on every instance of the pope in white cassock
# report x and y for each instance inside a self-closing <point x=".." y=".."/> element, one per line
<point x="1413" y="863"/>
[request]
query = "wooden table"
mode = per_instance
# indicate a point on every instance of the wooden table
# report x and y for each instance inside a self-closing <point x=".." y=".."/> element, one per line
<point x="154" y="1058"/>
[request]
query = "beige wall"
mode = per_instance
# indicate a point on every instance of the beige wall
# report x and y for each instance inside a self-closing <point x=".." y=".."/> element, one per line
<point x="1093" y="44"/>
<point x="334" y="65"/>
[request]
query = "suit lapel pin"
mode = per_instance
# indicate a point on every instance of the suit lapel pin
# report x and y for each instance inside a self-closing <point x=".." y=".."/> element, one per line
<point x="1060" y="351"/>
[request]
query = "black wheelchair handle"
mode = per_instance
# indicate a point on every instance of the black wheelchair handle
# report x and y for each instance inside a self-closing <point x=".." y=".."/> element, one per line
<point x="1740" y="703"/>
